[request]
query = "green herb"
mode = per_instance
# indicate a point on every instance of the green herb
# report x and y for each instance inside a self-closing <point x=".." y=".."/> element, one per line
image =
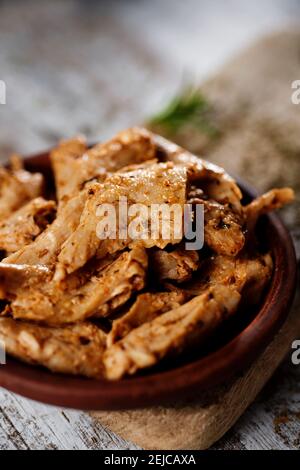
<point x="189" y="108"/>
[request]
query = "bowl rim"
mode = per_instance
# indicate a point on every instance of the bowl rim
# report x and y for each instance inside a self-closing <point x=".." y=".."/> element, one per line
<point x="182" y="381"/>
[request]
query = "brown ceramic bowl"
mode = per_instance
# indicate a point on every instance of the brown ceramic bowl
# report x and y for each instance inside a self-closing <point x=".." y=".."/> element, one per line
<point x="237" y="345"/>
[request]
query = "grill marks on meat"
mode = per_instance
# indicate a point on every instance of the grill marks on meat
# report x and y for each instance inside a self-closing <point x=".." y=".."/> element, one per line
<point x="159" y="184"/>
<point x="24" y="225"/>
<point x="177" y="265"/>
<point x="76" y="350"/>
<point x="171" y="333"/>
<point x="74" y="163"/>
<point x="17" y="187"/>
<point x="97" y="291"/>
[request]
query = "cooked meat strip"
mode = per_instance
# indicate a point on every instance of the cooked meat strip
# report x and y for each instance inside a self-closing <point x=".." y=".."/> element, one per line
<point x="132" y="146"/>
<point x="97" y="291"/>
<point x="212" y="179"/>
<point x="45" y="248"/>
<point x="15" y="163"/>
<point x="248" y="275"/>
<point x="32" y="183"/>
<point x="177" y="265"/>
<point x="15" y="277"/>
<point x="161" y="183"/>
<point x="146" y="307"/>
<point x="223" y="228"/>
<point x="138" y="166"/>
<point x="270" y="201"/>
<point x="66" y="160"/>
<point x="24" y="225"/>
<point x="74" y="164"/>
<point x="17" y="187"/>
<point x="76" y="349"/>
<point x="124" y="277"/>
<point x="258" y="273"/>
<point x="170" y="333"/>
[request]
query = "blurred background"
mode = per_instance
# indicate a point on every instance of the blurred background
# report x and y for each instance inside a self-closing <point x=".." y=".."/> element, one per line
<point x="97" y="66"/>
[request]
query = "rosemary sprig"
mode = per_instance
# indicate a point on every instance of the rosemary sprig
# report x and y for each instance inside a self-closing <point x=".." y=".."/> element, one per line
<point x="189" y="108"/>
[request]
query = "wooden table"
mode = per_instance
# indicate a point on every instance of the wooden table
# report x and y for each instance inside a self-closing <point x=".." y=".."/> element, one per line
<point x="70" y="70"/>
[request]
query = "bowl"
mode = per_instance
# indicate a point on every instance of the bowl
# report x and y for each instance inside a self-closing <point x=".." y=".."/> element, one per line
<point x="230" y="352"/>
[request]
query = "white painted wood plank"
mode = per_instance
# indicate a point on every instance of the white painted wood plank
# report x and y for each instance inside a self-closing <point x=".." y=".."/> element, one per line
<point x="273" y="421"/>
<point x="38" y="426"/>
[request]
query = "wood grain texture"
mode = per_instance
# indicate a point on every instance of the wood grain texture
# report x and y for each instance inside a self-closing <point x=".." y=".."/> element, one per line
<point x="70" y="70"/>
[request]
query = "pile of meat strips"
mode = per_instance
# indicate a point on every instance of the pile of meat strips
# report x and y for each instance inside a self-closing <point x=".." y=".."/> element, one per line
<point x="82" y="305"/>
